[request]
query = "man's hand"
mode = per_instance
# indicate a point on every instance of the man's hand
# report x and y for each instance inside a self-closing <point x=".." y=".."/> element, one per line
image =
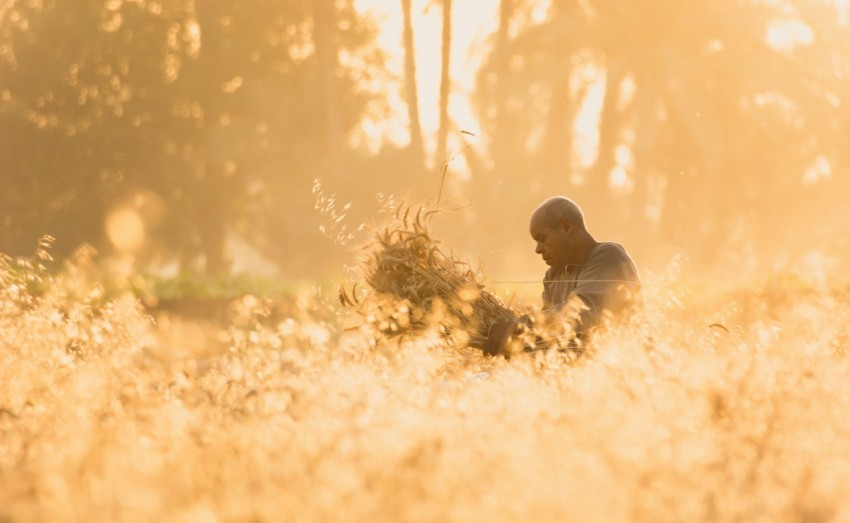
<point x="497" y="339"/>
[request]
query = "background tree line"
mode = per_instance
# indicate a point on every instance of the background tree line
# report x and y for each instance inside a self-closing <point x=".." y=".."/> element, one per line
<point x="213" y="117"/>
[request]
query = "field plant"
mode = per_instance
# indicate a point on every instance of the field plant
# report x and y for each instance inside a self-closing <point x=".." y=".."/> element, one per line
<point x="732" y="407"/>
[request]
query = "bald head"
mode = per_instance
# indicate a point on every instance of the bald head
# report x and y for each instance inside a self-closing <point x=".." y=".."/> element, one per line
<point x="557" y="227"/>
<point x="559" y="208"/>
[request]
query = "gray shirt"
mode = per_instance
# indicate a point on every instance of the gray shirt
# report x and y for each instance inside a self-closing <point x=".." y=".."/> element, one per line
<point x="606" y="281"/>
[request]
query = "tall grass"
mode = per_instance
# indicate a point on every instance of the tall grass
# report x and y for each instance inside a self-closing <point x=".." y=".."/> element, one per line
<point x="738" y="412"/>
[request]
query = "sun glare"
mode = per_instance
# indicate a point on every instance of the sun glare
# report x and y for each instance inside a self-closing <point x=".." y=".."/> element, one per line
<point x="473" y="22"/>
<point x="197" y="336"/>
<point x="820" y="170"/>
<point x="843" y="7"/>
<point x="788" y="35"/>
<point x="586" y="125"/>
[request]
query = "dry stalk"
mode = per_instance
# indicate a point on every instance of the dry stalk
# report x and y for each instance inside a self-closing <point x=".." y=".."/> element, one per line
<point x="413" y="284"/>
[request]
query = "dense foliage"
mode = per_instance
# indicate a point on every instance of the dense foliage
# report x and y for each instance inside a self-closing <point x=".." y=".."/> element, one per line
<point x="200" y="116"/>
<point x="212" y="119"/>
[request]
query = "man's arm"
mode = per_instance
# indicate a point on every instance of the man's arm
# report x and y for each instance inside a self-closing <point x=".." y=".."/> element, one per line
<point x="497" y="338"/>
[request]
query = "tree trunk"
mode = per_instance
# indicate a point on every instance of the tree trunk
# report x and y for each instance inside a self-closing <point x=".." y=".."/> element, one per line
<point x="327" y="58"/>
<point x="501" y="147"/>
<point x="209" y="190"/>
<point x="411" y="92"/>
<point x="493" y="188"/>
<point x="557" y="149"/>
<point x="557" y="140"/>
<point x="212" y="226"/>
<point x="445" y="83"/>
<point x="646" y="125"/>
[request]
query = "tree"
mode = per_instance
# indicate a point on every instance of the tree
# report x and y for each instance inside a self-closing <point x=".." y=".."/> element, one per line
<point x="324" y="21"/>
<point x="410" y="88"/>
<point x="707" y="79"/>
<point x="526" y="103"/>
<point x="210" y="106"/>
<point x="445" y="81"/>
<point x="705" y="90"/>
<point x="81" y="82"/>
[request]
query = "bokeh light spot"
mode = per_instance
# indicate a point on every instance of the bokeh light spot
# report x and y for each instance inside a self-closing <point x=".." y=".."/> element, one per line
<point x="125" y="230"/>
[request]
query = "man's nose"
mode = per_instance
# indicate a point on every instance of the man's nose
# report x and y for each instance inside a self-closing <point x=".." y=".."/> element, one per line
<point x="539" y="248"/>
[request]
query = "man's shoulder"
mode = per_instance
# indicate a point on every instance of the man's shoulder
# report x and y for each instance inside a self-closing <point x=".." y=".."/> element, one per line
<point x="611" y="256"/>
<point x="610" y="250"/>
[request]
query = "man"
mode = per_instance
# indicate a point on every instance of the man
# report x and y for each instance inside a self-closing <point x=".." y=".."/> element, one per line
<point x="585" y="277"/>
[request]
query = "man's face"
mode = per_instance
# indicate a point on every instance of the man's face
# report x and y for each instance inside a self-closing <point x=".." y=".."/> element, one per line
<point x="555" y="242"/>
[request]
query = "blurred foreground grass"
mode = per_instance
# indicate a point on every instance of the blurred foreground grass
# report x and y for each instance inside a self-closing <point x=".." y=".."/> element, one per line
<point x="728" y="407"/>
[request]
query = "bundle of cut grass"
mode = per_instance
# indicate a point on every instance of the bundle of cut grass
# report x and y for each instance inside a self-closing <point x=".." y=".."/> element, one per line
<point x="415" y="285"/>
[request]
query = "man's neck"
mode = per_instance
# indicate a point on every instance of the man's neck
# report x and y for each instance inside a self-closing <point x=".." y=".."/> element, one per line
<point x="588" y="244"/>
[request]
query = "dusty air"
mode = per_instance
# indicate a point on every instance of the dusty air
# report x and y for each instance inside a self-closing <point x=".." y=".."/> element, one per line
<point x="424" y="260"/>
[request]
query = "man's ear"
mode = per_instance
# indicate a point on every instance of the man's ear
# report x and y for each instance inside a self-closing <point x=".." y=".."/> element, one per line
<point x="566" y="225"/>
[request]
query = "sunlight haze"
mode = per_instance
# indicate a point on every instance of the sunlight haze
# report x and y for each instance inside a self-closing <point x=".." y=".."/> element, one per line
<point x="425" y="261"/>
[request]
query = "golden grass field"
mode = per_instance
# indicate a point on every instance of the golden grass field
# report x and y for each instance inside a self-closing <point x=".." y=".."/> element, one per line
<point x="108" y="415"/>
